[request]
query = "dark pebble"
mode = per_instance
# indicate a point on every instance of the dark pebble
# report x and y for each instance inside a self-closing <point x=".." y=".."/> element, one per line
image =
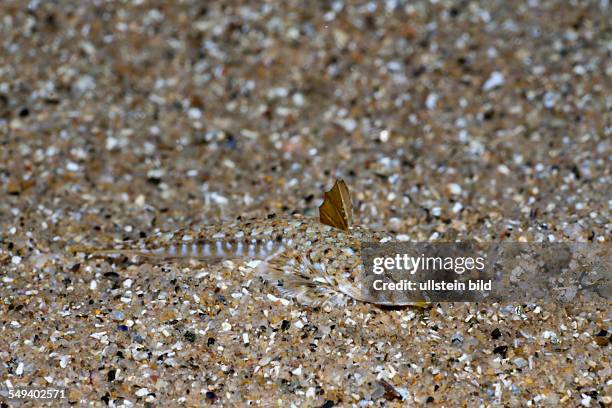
<point x="390" y="391"/>
<point x="328" y="404"/>
<point x="211" y="396"/>
<point x="601" y="341"/>
<point x="501" y="350"/>
<point x="496" y="334"/>
<point x="285" y="324"/>
<point x="231" y="142"/>
<point x="190" y="336"/>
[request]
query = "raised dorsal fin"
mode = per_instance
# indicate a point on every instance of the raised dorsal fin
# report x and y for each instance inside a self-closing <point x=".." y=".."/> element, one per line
<point x="337" y="209"/>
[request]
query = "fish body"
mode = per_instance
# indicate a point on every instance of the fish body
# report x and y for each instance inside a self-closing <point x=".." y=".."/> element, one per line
<point x="303" y="258"/>
<point x="316" y="261"/>
<point x="254" y="239"/>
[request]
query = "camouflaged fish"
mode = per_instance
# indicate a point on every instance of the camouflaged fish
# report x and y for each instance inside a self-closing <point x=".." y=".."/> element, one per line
<point x="314" y="261"/>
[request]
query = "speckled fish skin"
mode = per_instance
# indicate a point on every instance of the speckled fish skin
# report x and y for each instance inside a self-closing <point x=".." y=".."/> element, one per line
<point x="313" y="262"/>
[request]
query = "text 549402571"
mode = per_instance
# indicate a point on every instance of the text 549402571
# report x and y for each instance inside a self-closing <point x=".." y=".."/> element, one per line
<point x="35" y="393"/>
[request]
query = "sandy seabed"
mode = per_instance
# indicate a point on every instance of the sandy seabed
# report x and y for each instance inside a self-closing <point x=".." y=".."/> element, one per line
<point x="448" y="120"/>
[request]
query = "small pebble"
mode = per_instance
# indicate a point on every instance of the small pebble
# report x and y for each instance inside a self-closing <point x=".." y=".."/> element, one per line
<point x="457" y="339"/>
<point x="454" y="188"/>
<point x="431" y="101"/>
<point x="64" y="361"/>
<point x="495" y="80"/>
<point x="117" y="315"/>
<point x="520" y="362"/>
